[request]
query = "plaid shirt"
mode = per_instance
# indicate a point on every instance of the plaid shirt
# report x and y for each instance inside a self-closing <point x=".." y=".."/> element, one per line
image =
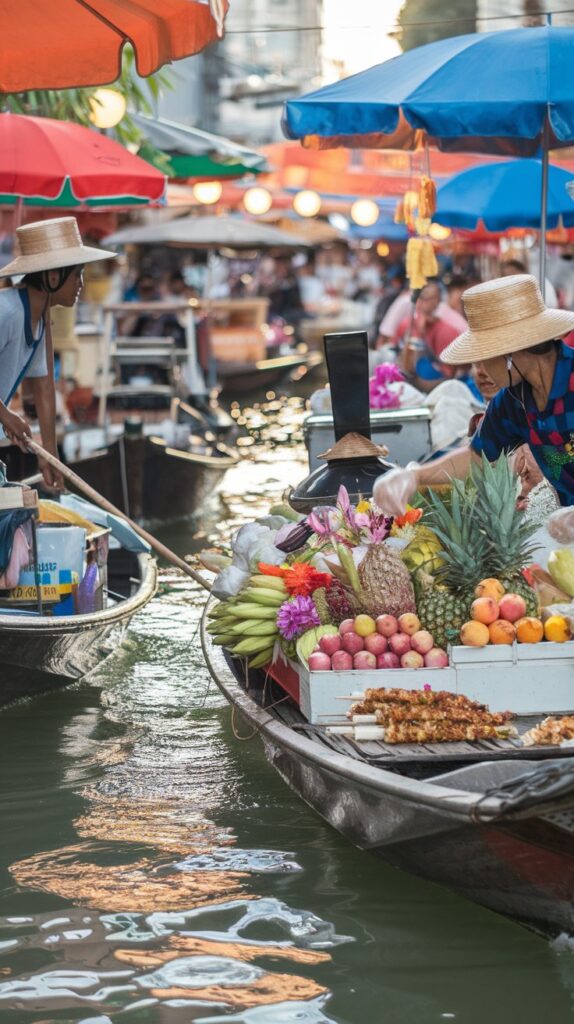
<point x="549" y="432"/>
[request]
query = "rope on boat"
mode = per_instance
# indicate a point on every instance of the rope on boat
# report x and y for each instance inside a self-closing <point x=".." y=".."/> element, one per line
<point x="265" y="707"/>
<point x="552" y="782"/>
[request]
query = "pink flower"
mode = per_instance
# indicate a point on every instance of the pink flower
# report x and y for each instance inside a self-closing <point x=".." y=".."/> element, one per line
<point x="380" y="395"/>
<point x="296" y="616"/>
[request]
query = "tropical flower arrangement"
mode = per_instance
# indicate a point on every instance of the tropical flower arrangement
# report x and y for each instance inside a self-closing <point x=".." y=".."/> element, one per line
<point x="386" y="387"/>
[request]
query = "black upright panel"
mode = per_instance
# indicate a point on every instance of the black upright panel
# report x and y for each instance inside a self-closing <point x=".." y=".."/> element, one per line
<point x="347" y="358"/>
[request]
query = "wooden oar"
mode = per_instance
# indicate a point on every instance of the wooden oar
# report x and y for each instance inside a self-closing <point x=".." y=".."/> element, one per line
<point x="99" y="499"/>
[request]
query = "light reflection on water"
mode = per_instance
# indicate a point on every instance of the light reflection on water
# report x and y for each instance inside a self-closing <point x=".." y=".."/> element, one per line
<point x="159" y="870"/>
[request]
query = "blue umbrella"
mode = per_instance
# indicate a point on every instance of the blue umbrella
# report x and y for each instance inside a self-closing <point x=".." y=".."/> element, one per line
<point x="497" y="92"/>
<point x="504" y="195"/>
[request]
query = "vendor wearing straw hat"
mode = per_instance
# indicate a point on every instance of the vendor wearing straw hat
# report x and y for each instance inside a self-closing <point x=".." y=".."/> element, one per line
<point x="51" y="261"/>
<point x="514" y="339"/>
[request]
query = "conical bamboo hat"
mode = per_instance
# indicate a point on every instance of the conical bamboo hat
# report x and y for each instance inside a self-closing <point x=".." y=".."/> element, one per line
<point x="354" y="446"/>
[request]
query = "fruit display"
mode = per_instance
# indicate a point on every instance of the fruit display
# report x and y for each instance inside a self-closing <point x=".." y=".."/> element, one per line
<point x="348" y="588"/>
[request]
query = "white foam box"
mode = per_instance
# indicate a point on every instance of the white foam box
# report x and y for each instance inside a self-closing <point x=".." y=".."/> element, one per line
<point x="524" y="678"/>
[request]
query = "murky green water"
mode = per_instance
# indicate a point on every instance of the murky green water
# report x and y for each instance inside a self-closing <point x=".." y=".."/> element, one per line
<point x="154" y="868"/>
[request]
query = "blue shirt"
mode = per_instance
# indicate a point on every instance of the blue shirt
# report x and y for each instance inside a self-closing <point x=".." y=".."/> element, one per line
<point x="512" y="419"/>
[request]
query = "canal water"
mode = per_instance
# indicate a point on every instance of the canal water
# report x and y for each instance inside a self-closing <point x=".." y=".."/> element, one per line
<point x="156" y="870"/>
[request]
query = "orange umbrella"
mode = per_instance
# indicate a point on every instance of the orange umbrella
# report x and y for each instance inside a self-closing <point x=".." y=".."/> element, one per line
<point x="72" y="43"/>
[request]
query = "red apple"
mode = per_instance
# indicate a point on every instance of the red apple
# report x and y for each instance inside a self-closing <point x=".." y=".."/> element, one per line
<point x="388" y="660"/>
<point x="319" y="662"/>
<point x="330" y="644"/>
<point x="421" y="641"/>
<point x="412" y="659"/>
<point x="342" y="661"/>
<point x="399" y="643"/>
<point x="512" y="607"/>
<point x="409" y="623"/>
<point x="364" y="660"/>
<point x="347" y="626"/>
<point x="387" y="625"/>
<point x="352" y="642"/>
<point x="436" y="658"/>
<point x="376" y="644"/>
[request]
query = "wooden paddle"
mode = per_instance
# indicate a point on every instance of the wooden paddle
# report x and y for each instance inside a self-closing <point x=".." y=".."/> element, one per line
<point x="99" y="499"/>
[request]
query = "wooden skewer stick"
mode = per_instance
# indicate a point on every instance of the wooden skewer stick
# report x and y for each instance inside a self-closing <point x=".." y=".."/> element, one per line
<point x="99" y="499"/>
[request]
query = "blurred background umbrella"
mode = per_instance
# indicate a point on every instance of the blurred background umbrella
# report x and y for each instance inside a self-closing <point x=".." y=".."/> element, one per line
<point x="509" y="92"/>
<point x="45" y="161"/>
<point x="192" y="153"/>
<point x="67" y="44"/>
<point x="231" y="231"/>
<point x="505" y="195"/>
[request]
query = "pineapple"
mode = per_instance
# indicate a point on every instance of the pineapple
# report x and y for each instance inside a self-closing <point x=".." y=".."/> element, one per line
<point x="386" y="586"/>
<point x="483" y="534"/>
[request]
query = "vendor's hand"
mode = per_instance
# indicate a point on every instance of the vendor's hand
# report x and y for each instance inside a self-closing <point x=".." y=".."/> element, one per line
<point x="525" y="466"/>
<point x="392" y="491"/>
<point x="16" y="428"/>
<point x="53" y="479"/>
<point x="560" y="525"/>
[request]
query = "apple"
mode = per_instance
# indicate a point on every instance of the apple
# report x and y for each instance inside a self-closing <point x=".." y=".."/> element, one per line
<point x="409" y="623"/>
<point x="436" y="658"/>
<point x="352" y="643"/>
<point x="330" y="644"/>
<point x="387" y="625"/>
<point x="376" y="644"/>
<point x="412" y="659"/>
<point x="364" y="625"/>
<point x="319" y="662"/>
<point x="512" y="607"/>
<point x="399" y="643"/>
<point x="342" y="661"/>
<point x="347" y="626"/>
<point x="421" y="641"/>
<point x="388" y="660"/>
<point x="364" y="660"/>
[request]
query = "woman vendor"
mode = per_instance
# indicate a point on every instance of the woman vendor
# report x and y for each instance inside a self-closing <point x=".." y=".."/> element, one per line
<point x="514" y="339"/>
<point x="51" y="260"/>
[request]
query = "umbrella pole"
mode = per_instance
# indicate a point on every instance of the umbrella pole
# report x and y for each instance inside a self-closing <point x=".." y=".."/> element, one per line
<point x="544" y="206"/>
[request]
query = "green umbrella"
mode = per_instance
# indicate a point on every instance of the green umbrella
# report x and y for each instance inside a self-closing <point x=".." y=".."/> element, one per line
<point x="67" y="200"/>
<point x="184" y="152"/>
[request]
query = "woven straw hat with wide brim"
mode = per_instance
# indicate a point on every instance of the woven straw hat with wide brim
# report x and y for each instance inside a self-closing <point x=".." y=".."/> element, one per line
<point x="354" y="446"/>
<point x="49" y="245"/>
<point x="504" y="316"/>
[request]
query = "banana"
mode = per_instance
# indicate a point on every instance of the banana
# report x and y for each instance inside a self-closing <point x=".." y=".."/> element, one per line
<point x="251" y="645"/>
<point x="252" y="611"/>
<point x="270" y="598"/>
<point x="262" y="659"/>
<point x="268" y="583"/>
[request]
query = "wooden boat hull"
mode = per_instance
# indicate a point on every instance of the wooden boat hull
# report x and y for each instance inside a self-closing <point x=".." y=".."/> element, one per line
<point x="147" y="479"/>
<point x="243" y="378"/>
<point x="41" y="653"/>
<point x="511" y="853"/>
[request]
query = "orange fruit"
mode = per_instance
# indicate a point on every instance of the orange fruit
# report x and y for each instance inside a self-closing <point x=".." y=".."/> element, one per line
<point x="484" y="609"/>
<point x="529" y="630"/>
<point x="474" y="634"/>
<point x="489" y="587"/>
<point x="557" y="629"/>
<point x="501" y="632"/>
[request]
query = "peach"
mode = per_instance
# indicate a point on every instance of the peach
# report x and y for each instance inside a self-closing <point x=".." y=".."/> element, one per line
<point x="512" y="607"/>
<point x="489" y="587"/>
<point x="474" y="634"/>
<point x="409" y="623"/>
<point x="412" y="659"/>
<point x="422" y="641"/>
<point x="484" y="609"/>
<point x="502" y="632"/>
<point x="436" y="658"/>
<point x="529" y="630"/>
<point x="387" y="625"/>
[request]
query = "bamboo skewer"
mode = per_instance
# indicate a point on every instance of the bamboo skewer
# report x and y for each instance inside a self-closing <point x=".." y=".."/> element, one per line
<point x="99" y="499"/>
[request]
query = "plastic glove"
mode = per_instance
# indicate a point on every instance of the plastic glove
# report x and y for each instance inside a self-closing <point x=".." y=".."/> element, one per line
<point x="392" y="491"/>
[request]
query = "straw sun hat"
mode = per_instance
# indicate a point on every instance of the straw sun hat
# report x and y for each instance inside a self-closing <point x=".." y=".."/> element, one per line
<point x="49" y="245"/>
<point x="504" y="316"/>
<point x="354" y="446"/>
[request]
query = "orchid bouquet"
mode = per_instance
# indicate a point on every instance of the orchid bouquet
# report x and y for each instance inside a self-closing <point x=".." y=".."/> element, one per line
<point x="381" y="394"/>
<point x="351" y="525"/>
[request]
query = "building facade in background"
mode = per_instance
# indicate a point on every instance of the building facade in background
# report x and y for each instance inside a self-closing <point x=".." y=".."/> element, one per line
<point x="499" y="14"/>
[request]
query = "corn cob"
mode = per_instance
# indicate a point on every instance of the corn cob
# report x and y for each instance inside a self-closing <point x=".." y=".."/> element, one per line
<point x="268" y="583"/>
<point x="251" y="645"/>
<point x="252" y="611"/>
<point x="249" y="627"/>
<point x="262" y="659"/>
<point x="270" y="598"/>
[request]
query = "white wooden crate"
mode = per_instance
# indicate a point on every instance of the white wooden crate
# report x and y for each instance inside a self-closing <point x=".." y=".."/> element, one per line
<point x="524" y="678"/>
